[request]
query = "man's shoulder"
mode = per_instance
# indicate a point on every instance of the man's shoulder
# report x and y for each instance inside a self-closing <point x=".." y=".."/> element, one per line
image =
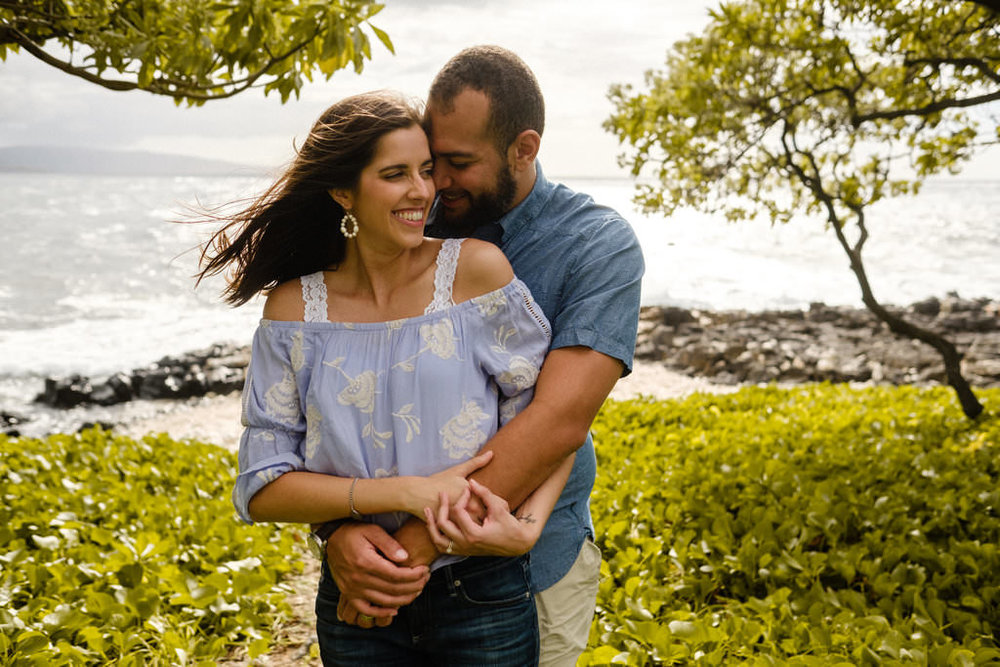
<point x="574" y="214"/>
<point x="565" y="202"/>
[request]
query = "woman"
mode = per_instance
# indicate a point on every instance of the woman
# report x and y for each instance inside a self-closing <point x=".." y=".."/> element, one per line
<point x="384" y="361"/>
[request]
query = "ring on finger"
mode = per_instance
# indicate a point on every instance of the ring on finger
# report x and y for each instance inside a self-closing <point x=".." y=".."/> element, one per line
<point x="451" y="545"/>
<point x="365" y="618"/>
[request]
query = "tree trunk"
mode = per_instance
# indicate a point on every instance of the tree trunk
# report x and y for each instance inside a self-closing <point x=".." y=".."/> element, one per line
<point x="951" y="356"/>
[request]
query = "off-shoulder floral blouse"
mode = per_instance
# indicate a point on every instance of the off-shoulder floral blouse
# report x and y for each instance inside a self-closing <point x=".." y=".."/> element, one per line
<point x="378" y="399"/>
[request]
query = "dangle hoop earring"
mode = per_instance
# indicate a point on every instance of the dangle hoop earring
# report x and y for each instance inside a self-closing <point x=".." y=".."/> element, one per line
<point x="349" y="219"/>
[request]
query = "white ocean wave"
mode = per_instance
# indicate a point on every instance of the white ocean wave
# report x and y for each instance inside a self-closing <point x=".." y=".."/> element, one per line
<point x="95" y="280"/>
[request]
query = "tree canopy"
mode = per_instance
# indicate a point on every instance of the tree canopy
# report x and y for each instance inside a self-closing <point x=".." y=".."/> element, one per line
<point x="193" y="50"/>
<point x="859" y="98"/>
<point x="784" y="107"/>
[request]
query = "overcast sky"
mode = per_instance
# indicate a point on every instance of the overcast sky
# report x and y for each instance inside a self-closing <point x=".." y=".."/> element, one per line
<point x="577" y="49"/>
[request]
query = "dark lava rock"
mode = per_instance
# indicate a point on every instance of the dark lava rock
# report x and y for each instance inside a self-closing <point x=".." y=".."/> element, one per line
<point x="219" y="369"/>
<point x="833" y="343"/>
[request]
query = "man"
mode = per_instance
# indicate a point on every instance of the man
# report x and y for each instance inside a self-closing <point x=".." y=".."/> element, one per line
<point x="582" y="262"/>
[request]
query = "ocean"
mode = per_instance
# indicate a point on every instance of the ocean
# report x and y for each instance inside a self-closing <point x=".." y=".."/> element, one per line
<point x="95" y="279"/>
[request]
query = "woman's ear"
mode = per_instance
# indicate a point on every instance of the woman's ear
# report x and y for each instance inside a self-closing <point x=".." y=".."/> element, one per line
<point x="524" y="149"/>
<point x="342" y="197"/>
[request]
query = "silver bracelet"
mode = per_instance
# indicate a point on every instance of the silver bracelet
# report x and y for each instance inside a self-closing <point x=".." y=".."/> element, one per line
<point x="355" y="514"/>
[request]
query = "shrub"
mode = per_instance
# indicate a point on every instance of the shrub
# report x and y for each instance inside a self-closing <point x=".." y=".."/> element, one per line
<point x="116" y="550"/>
<point x="814" y="525"/>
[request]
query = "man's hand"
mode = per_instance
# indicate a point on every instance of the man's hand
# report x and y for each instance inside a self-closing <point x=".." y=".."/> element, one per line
<point x="364" y="560"/>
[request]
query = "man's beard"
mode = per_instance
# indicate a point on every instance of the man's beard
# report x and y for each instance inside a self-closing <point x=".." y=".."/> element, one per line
<point x="485" y="208"/>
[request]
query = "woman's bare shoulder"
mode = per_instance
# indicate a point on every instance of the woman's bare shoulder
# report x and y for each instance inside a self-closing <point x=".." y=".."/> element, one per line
<point x="284" y="302"/>
<point x="482" y="268"/>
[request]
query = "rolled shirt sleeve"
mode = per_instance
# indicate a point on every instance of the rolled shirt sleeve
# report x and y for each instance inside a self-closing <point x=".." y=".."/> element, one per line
<point x="600" y="304"/>
<point x="273" y="418"/>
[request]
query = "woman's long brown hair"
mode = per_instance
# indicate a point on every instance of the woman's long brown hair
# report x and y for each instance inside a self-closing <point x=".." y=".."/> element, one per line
<point x="293" y="229"/>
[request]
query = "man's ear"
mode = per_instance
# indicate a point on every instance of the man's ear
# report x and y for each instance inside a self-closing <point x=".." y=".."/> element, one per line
<point x="342" y="197"/>
<point x="524" y="149"/>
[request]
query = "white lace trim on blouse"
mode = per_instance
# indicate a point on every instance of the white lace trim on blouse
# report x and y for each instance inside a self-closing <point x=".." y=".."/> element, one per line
<point x="314" y="288"/>
<point x="534" y="309"/>
<point x="444" y="276"/>
<point x="314" y="295"/>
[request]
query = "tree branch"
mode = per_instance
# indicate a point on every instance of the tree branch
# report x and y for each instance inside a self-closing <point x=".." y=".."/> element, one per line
<point x="977" y="63"/>
<point x="173" y="88"/>
<point x="34" y="49"/>
<point x="246" y="82"/>
<point x="927" y="110"/>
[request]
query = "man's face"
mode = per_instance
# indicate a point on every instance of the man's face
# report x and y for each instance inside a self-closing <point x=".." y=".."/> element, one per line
<point x="474" y="180"/>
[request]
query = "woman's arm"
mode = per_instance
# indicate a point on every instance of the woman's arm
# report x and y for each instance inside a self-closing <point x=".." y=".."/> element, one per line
<point x="300" y="496"/>
<point x="501" y="533"/>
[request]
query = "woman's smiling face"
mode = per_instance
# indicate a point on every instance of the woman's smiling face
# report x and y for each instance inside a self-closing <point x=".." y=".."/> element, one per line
<point x="395" y="190"/>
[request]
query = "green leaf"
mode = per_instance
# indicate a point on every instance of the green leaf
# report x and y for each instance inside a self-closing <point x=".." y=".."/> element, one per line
<point x="384" y="38"/>
<point x="196" y="52"/>
<point x="101" y="592"/>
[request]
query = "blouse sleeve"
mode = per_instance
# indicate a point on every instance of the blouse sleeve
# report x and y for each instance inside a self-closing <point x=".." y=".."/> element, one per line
<point x="273" y="419"/>
<point x="515" y="339"/>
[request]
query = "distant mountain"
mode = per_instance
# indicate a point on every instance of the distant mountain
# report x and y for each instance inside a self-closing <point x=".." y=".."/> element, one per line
<point x="70" y="160"/>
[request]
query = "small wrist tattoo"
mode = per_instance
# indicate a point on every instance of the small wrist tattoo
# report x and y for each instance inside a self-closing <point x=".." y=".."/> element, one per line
<point x="527" y="518"/>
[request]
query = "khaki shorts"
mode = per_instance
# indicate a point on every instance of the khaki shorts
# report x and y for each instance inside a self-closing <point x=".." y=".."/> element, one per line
<point x="566" y="610"/>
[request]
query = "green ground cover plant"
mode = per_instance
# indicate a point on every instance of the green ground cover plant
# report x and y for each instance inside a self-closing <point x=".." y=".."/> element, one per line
<point x="117" y="551"/>
<point x="818" y="525"/>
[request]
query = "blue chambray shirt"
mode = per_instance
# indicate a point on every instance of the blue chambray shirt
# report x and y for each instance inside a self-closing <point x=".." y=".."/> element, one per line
<point x="583" y="265"/>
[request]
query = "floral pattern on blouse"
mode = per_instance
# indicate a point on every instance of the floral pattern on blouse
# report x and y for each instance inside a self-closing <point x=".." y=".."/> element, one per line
<point x="464" y="433"/>
<point x="406" y="397"/>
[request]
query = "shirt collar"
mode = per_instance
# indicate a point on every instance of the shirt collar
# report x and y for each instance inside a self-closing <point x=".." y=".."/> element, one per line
<point x="522" y="214"/>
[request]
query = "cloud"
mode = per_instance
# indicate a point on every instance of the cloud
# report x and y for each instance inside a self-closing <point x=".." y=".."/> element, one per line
<point x="577" y="50"/>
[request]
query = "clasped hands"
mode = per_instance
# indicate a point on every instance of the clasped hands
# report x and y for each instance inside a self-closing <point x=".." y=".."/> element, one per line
<point x="376" y="575"/>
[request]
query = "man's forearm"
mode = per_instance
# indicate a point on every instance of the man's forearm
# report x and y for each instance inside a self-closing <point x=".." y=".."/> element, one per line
<point x="523" y="466"/>
<point x="526" y="453"/>
<point x="571" y="387"/>
<point x="413" y="536"/>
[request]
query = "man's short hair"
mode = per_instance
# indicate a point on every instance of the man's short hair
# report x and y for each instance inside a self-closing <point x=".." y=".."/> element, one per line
<point x="515" y="99"/>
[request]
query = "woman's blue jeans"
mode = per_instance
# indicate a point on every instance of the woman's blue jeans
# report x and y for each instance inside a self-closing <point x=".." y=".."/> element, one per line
<point x="477" y="612"/>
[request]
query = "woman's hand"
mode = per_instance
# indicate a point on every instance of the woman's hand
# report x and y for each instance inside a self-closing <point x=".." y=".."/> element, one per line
<point x="499" y="534"/>
<point x="424" y="492"/>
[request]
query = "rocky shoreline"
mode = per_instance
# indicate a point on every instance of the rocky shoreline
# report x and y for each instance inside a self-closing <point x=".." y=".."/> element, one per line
<point x="219" y="369"/>
<point x="823" y="343"/>
<point x="74" y="402"/>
